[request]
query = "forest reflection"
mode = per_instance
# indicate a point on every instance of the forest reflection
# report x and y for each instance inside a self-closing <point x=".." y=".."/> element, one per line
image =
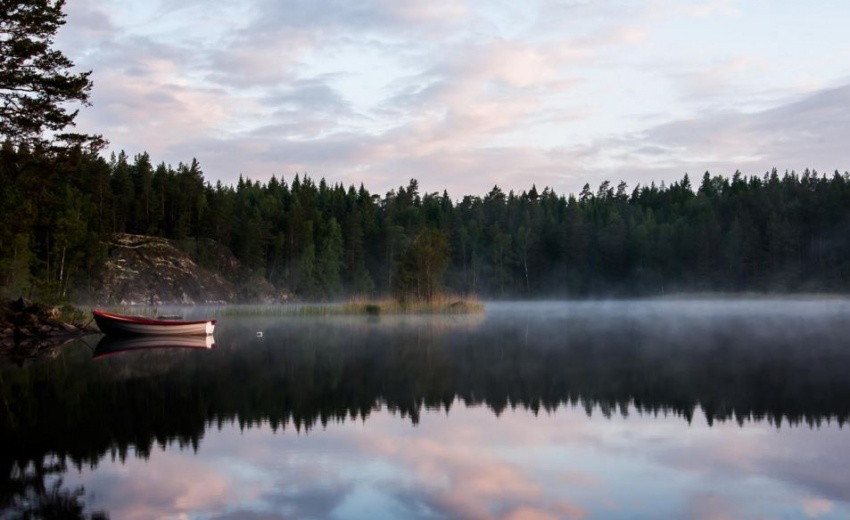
<point x="784" y="366"/>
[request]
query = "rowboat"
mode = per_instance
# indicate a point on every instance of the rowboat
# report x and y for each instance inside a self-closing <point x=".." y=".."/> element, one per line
<point x="111" y="345"/>
<point x="132" y="325"/>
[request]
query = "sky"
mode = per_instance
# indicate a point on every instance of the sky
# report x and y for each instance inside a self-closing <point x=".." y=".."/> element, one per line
<point x="463" y="95"/>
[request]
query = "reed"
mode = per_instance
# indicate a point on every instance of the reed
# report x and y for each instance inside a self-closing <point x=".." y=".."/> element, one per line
<point x="443" y="304"/>
<point x="359" y="306"/>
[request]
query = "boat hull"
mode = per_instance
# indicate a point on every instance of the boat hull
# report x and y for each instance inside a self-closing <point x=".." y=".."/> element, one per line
<point x="130" y="325"/>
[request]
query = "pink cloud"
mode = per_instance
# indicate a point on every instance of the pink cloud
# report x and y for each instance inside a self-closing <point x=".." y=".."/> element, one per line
<point x="467" y="474"/>
<point x="146" y="109"/>
<point x="515" y="64"/>
<point x="467" y="103"/>
<point x="612" y="35"/>
<point x="559" y="511"/>
<point x="713" y="507"/>
<point x="173" y="484"/>
<point x="815" y="507"/>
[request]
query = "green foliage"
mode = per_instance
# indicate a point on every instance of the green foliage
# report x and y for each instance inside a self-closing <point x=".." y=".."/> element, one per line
<point x="420" y="269"/>
<point x="15" y="268"/>
<point x="318" y="241"/>
<point x="36" y="82"/>
<point x="329" y="261"/>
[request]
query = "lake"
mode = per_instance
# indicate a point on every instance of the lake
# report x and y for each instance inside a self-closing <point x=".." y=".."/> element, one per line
<point x="636" y="409"/>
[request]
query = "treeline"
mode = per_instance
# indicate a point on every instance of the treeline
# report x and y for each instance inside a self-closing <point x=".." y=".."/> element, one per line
<point x="776" y="232"/>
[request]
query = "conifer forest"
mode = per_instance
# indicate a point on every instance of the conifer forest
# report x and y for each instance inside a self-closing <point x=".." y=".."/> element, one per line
<point x="779" y="232"/>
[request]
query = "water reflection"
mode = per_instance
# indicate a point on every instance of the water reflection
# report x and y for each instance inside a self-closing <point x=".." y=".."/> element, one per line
<point x="541" y="410"/>
<point x="476" y="465"/>
<point x="111" y="345"/>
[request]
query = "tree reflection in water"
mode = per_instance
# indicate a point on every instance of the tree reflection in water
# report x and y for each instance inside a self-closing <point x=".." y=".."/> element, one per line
<point x="36" y="491"/>
<point x="784" y="367"/>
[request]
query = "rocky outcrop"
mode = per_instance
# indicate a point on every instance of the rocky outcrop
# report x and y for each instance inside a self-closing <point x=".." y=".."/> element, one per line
<point x="154" y="271"/>
<point x="29" y="330"/>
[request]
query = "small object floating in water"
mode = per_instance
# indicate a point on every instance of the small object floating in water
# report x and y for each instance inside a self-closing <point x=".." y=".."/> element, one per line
<point x="259" y="334"/>
<point x="169" y="317"/>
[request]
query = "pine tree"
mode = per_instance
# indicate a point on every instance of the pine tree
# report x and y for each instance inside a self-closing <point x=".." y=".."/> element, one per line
<point x="36" y="80"/>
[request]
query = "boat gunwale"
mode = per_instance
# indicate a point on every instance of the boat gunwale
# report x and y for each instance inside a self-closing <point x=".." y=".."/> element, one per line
<point x="146" y="321"/>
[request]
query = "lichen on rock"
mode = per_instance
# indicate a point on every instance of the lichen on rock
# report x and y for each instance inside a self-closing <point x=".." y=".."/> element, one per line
<point x="149" y="270"/>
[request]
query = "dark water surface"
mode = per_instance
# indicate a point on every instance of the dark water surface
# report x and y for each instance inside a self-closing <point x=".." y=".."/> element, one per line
<point x="664" y="409"/>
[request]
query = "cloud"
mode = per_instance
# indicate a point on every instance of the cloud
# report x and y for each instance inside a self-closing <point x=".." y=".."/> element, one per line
<point x="708" y="8"/>
<point x="815" y="507"/>
<point x="175" y="484"/>
<point x="336" y="16"/>
<point x="759" y="451"/>
<point x="709" y="506"/>
<point x="305" y="109"/>
<point x="139" y="109"/>
<point x="805" y="132"/>
<point x="713" y="82"/>
<point x="268" y="63"/>
<point x="255" y="102"/>
<point x="613" y="35"/>
<point x="458" y="95"/>
<point x="468" y="477"/>
<point x="86" y="21"/>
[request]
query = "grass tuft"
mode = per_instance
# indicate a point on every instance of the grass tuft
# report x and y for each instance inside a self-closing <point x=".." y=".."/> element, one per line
<point x="361" y="306"/>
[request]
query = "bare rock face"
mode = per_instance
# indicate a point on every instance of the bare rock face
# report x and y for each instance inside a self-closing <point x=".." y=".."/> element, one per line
<point x="150" y="270"/>
<point x="154" y="271"/>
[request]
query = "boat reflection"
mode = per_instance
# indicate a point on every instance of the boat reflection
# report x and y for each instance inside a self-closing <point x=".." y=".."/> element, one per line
<point x="111" y="345"/>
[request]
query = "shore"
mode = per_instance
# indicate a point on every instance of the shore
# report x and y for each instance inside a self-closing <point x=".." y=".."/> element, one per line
<point x="361" y="306"/>
<point x="29" y="330"/>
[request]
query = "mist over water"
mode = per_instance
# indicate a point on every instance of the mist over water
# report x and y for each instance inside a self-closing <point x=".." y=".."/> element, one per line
<point x="638" y="409"/>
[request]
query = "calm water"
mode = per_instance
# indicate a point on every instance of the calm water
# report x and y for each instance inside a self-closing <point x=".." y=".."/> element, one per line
<point x="710" y="409"/>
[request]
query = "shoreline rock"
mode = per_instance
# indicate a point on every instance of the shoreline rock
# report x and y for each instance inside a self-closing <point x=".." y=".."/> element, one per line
<point x="30" y="330"/>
